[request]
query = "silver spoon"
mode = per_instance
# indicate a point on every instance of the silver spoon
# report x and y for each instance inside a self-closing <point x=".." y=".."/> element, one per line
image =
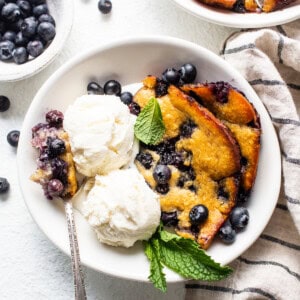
<point x="79" y="286"/>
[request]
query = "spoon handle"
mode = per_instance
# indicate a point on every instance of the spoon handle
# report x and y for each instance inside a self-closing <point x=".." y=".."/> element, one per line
<point x="80" y="293"/>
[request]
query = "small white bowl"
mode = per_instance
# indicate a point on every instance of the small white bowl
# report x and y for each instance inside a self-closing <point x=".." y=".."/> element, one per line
<point x="240" y="20"/>
<point x="129" y="61"/>
<point x="62" y="12"/>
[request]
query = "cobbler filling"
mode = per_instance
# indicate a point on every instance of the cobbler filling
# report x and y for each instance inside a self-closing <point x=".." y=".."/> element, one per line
<point x="52" y="171"/>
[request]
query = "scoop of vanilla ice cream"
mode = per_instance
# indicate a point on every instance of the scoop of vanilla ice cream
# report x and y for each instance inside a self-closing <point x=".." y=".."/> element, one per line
<point x="101" y="132"/>
<point x="122" y="208"/>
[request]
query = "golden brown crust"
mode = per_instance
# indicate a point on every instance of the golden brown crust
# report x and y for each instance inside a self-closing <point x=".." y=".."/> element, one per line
<point x="213" y="154"/>
<point x="241" y="118"/>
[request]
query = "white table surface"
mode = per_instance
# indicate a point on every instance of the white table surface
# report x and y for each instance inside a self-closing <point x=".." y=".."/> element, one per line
<point x="30" y="266"/>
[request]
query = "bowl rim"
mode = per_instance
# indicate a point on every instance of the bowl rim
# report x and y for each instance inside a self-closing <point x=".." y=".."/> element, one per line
<point x="110" y="45"/>
<point x="229" y="18"/>
<point x="52" y="53"/>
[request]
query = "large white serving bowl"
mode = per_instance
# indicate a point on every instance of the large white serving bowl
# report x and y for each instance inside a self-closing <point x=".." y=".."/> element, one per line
<point x="240" y="20"/>
<point x="129" y="61"/>
<point x="62" y="12"/>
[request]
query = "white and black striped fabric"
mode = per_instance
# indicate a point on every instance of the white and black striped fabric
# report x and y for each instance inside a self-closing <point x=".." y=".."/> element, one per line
<point x="270" y="60"/>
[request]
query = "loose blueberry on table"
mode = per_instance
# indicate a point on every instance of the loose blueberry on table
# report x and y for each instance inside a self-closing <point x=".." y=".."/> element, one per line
<point x="105" y="6"/>
<point x="13" y="138"/>
<point x="26" y="29"/>
<point x="4" y="103"/>
<point x="4" y="185"/>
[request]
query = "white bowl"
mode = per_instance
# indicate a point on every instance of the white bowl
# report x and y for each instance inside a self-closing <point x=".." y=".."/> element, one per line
<point x="240" y="20"/>
<point x="62" y="12"/>
<point x="129" y="61"/>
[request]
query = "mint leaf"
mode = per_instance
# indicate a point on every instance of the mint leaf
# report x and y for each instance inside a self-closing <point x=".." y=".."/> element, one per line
<point x="157" y="277"/>
<point x="149" y="127"/>
<point x="186" y="258"/>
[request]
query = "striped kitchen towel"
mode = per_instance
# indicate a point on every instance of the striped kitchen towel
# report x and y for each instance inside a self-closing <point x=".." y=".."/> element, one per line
<point x="270" y="60"/>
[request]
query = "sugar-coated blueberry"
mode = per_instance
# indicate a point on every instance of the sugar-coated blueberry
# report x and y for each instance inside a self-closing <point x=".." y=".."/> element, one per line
<point x="6" y="49"/>
<point x="4" y="185"/>
<point x="54" y="118"/>
<point x="239" y="217"/>
<point x="105" y="6"/>
<point x="112" y="87"/>
<point x="198" y="214"/>
<point x="13" y="137"/>
<point x="56" y="147"/>
<point x="20" y="55"/>
<point x="55" y="188"/>
<point x="4" y="103"/>
<point x="227" y="234"/>
<point x="188" y="73"/>
<point x="35" y="48"/>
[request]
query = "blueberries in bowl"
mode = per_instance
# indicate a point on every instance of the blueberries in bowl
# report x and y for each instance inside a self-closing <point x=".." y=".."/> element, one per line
<point x="26" y="29"/>
<point x="239" y="218"/>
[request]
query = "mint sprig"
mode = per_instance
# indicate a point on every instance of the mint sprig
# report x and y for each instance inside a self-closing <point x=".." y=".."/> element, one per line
<point x="184" y="256"/>
<point x="149" y="127"/>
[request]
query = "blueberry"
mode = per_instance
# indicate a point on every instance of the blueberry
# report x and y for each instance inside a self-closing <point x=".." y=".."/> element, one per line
<point x="187" y="128"/>
<point x="54" y="118"/>
<point x="188" y="73"/>
<point x="162" y="188"/>
<point x="198" y="214"/>
<point x="4" y="103"/>
<point x="29" y="27"/>
<point x="46" y="18"/>
<point x="9" y="36"/>
<point x="59" y="169"/>
<point x="227" y="234"/>
<point x="35" y="48"/>
<point x="134" y="108"/>
<point x="6" y="49"/>
<point x="221" y="90"/>
<point x="145" y="159"/>
<point x="112" y="87"/>
<point x="239" y="6"/>
<point x="161" y="88"/>
<point x="94" y="88"/>
<point x="20" y="39"/>
<point x="169" y="218"/>
<point x="11" y="12"/>
<point x="20" y="55"/>
<point x="105" y="6"/>
<point x="161" y="174"/>
<point x="126" y="98"/>
<point x="56" y="147"/>
<point x="171" y="76"/>
<point x="55" y="188"/>
<point x="40" y="10"/>
<point x="239" y="217"/>
<point x="25" y="8"/>
<point x="4" y="185"/>
<point x="13" y="137"/>
<point x="46" y="31"/>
